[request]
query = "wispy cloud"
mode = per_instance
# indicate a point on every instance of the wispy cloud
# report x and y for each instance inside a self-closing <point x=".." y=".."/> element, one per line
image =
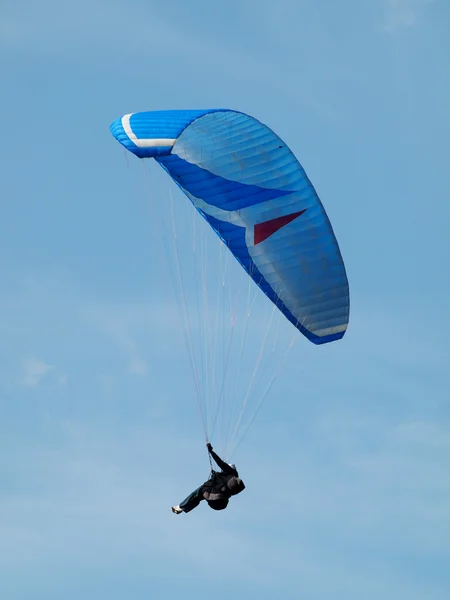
<point x="36" y="371"/>
<point x="401" y="14"/>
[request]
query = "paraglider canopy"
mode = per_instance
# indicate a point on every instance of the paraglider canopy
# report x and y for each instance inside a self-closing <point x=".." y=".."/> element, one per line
<point x="254" y="193"/>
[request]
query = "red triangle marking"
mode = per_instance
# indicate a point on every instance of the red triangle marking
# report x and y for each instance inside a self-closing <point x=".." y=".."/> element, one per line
<point x="264" y="230"/>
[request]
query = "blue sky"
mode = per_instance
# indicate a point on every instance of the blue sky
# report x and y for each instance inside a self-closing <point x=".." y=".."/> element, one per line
<point x="347" y="465"/>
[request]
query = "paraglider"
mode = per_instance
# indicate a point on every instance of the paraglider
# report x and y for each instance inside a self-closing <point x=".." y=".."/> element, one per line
<point x="253" y="192"/>
<point x="217" y="491"/>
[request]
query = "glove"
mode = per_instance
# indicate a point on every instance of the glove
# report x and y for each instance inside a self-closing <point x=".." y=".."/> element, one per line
<point x="208" y="445"/>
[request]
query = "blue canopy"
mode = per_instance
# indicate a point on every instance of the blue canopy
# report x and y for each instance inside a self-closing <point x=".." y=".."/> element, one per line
<point x="254" y="193"/>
